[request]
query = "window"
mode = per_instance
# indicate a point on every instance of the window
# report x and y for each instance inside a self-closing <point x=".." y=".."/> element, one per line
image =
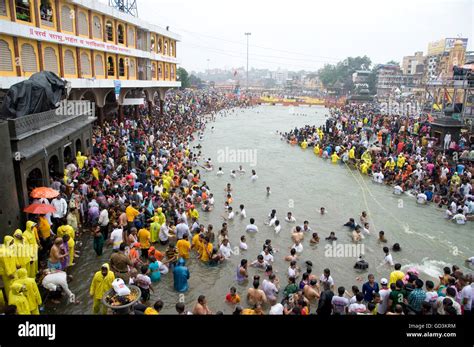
<point x="97" y="27"/>
<point x="3" y="8"/>
<point x="6" y="63"/>
<point x="152" y="43"/>
<point x="160" y="45"/>
<point x="121" y="67"/>
<point x="99" y="65"/>
<point x="23" y="10"/>
<point x="132" y="69"/>
<point x="153" y="70"/>
<point x="166" y="48"/>
<point x="67" y="15"/>
<point x="166" y="72"/>
<point x="46" y="13"/>
<point x="28" y="58"/>
<point x="171" y="49"/>
<point x="85" y="65"/>
<point x="110" y="67"/>
<point x="69" y="63"/>
<point x="51" y="60"/>
<point x="109" y="30"/>
<point x="121" y="34"/>
<point x="160" y="71"/>
<point x="83" y="24"/>
<point x="172" y="73"/>
<point x="131" y="37"/>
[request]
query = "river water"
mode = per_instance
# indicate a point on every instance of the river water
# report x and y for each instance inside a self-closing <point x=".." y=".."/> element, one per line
<point x="302" y="183"/>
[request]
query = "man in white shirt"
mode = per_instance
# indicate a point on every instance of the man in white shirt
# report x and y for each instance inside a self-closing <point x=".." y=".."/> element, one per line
<point x="226" y="249"/>
<point x="251" y="228"/>
<point x="388" y="260"/>
<point x="104" y="222"/>
<point x="56" y="279"/>
<point x="467" y="295"/>
<point x="460" y="218"/>
<point x="269" y="287"/>
<point x="339" y="302"/>
<point x="242" y="212"/>
<point x="181" y="229"/>
<point x="289" y="218"/>
<point x="61" y="210"/>
<point x="421" y="198"/>
<point x="384" y="296"/>
<point x="378" y="177"/>
<point x="276" y="309"/>
<point x="116" y="238"/>
<point x="397" y="190"/>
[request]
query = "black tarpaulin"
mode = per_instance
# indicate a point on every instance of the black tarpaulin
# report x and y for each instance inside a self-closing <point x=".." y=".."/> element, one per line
<point x="40" y="93"/>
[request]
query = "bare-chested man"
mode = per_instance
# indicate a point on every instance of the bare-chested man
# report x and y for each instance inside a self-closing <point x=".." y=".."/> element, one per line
<point x="297" y="234"/>
<point x="311" y="291"/>
<point x="256" y="296"/>
<point x="201" y="306"/>
<point x="55" y="256"/>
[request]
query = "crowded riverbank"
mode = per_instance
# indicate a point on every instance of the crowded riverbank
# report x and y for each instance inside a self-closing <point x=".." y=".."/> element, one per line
<point x="309" y="184"/>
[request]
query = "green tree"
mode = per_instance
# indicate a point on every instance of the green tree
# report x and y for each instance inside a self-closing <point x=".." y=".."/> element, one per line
<point x="183" y="77"/>
<point x="393" y="62"/>
<point x="341" y="73"/>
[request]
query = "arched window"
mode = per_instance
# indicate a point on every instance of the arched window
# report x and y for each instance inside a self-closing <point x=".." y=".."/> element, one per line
<point x="83" y="24"/>
<point x="132" y="74"/>
<point x="153" y="70"/>
<point x="172" y="72"/>
<point x="97" y="27"/>
<point x="152" y="43"/>
<point x="28" y="58"/>
<point x="121" y="67"/>
<point x="85" y="64"/>
<point x="110" y="30"/>
<point x="67" y="15"/>
<point x="166" y="47"/>
<point x="110" y="66"/>
<point x="131" y="37"/>
<point x="69" y="63"/>
<point x="166" y="72"/>
<point x="160" y="45"/>
<point x="99" y="65"/>
<point x="51" y="60"/>
<point x="121" y="34"/>
<point x="46" y="13"/>
<point x="6" y="63"/>
<point x="23" y="10"/>
<point x="171" y="49"/>
<point x="160" y="71"/>
<point x="3" y="8"/>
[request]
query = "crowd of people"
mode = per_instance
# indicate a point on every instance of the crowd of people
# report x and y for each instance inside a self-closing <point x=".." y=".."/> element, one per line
<point x="140" y="192"/>
<point x="397" y="151"/>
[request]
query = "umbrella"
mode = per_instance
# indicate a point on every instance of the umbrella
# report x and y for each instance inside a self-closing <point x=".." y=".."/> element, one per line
<point x="44" y="193"/>
<point x="39" y="209"/>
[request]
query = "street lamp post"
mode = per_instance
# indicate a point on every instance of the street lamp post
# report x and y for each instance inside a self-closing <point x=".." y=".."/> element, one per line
<point x="248" y="35"/>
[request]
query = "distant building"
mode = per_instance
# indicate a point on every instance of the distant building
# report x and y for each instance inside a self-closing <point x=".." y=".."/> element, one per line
<point x="437" y="60"/>
<point x="413" y="64"/>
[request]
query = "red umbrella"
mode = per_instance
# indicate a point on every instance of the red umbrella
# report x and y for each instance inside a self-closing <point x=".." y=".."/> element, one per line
<point x="44" y="193"/>
<point x="40" y="209"/>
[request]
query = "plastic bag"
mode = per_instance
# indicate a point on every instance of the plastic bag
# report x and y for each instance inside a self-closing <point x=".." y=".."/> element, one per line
<point x="120" y="288"/>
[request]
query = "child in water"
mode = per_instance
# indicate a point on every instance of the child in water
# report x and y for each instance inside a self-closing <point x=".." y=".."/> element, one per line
<point x="332" y="236"/>
<point x="382" y="237"/>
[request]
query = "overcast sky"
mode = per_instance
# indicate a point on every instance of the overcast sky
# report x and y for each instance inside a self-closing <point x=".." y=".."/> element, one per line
<point x="305" y="34"/>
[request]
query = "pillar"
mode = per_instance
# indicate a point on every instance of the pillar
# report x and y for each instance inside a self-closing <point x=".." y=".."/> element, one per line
<point x="101" y="115"/>
<point x="150" y="107"/>
<point x="162" y="105"/>
<point x="120" y="113"/>
<point x="137" y="115"/>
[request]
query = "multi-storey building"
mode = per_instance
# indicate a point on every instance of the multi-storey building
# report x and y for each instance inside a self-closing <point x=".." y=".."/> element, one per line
<point x="110" y="58"/>
<point x="93" y="46"/>
<point x="412" y="64"/>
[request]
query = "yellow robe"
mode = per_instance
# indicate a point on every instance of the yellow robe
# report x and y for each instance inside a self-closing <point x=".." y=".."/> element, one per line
<point x="7" y="263"/>
<point x="18" y="298"/>
<point x="32" y="292"/>
<point x="100" y="284"/>
<point x="30" y="240"/>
